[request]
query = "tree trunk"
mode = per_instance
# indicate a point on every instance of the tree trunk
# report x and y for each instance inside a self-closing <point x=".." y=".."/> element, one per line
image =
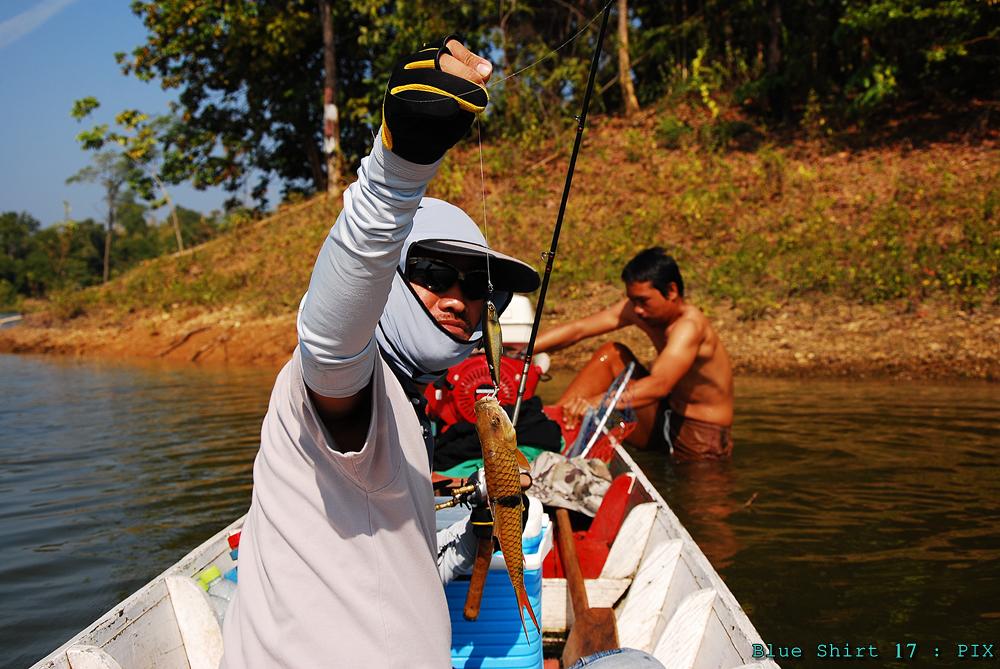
<point x="315" y="158"/>
<point x="112" y="198"/>
<point x="776" y="91"/>
<point x="774" y="46"/>
<point x="173" y="211"/>
<point x="624" y="64"/>
<point x="331" y="120"/>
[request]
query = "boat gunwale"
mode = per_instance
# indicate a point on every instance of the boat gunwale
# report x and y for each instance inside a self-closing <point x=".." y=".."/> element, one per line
<point x="193" y="562"/>
<point x="737" y="617"/>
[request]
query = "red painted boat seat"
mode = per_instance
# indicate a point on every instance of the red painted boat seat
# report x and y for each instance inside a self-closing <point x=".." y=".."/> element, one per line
<point x="594" y="544"/>
<point x="602" y="448"/>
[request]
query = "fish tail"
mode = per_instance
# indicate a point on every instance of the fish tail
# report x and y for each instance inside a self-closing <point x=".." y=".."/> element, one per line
<point x="522" y="602"/>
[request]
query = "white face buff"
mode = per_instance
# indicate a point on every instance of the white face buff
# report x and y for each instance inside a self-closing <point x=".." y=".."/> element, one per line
<point x="407" y="333"/>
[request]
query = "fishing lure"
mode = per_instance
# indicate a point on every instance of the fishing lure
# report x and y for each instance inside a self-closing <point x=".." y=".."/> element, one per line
<point x="493" y="342"/>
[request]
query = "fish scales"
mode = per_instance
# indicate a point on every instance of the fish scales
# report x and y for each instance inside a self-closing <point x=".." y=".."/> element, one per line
<point x="503" y="486"/>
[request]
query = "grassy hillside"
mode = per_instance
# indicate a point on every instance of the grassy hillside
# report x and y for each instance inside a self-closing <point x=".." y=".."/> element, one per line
<point x="755" y="220"/>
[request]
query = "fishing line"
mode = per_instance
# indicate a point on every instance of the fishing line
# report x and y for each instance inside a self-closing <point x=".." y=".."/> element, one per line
<point x="555" y="50"/>
<point x="490" y="324"/>
<point x="486" y="228"/>
<point x="489" y="313"/>
<point x="479" y="131"/>
<point x="550" y="256"/>
<point x="535" y="63"/>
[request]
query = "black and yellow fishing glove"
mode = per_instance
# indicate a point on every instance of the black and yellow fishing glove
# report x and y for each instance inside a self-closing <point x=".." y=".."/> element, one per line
<point x="482" y="521"/>
<point x="426" y="111"/>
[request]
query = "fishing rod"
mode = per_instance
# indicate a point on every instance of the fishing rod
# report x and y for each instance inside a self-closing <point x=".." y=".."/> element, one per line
<point x="551" y="255"/>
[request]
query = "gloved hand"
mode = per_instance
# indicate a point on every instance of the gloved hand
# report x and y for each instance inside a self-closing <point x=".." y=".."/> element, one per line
<point x="428" y="106"/>
<point x="482" y="518"/>
<point x="482" y="521"/>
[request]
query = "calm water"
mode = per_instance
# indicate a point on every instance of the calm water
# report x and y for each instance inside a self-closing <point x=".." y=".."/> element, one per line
<point x="860" y="512"/>
<point x="856" y="512"/>
<point x="108" y="475"/>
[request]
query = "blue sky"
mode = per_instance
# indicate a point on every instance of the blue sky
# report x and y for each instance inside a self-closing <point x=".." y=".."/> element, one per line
<point x="53" y="52"/>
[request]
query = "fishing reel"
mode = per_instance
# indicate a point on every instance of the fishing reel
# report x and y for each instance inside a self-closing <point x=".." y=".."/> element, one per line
<point x="473" y="495"/>
<point x="469" y="495"/>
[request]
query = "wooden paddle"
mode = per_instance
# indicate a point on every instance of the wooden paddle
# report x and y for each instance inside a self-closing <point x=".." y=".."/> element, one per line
<point x="593" y="629"/>
<point x="480" y="569"/>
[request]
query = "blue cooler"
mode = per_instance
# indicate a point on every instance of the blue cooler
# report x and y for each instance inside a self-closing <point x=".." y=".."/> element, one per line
<point x="496" y="638"/>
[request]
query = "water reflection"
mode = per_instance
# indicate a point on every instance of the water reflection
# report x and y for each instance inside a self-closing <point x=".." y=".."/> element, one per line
<point x="873" y="515"/>
<point x="109" y="474"/>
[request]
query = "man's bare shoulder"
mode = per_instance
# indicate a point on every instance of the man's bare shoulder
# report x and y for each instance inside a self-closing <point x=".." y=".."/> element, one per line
<point x="692" y="319"/>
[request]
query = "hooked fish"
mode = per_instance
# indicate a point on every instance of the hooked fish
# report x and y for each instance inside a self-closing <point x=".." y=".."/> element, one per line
<point x="493" y="341"/>
<point x="501" y="458"/>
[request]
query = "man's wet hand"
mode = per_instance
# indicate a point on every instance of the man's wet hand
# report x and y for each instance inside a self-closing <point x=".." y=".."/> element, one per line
<point x="574" y="410"/>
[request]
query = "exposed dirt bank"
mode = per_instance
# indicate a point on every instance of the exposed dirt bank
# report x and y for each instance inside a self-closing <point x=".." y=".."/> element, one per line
<point x="829" y="338"/>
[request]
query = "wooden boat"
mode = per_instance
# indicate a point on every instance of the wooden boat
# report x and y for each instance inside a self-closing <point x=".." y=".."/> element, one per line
<point x="667" y="598"/>
<point x="635" y="556"/>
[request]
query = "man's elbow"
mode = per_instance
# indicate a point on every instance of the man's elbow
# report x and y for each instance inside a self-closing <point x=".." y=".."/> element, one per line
<point x="656" y="387"/>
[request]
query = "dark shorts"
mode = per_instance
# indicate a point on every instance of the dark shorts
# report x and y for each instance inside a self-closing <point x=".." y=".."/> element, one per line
<point x="691" y="439"/>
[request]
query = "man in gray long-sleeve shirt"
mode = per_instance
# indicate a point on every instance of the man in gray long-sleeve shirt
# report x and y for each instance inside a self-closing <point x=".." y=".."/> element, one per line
<point x="338" y="556"/>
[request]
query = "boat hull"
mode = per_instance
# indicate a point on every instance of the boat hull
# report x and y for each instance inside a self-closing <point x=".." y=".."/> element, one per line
<point x="667" y="597"/>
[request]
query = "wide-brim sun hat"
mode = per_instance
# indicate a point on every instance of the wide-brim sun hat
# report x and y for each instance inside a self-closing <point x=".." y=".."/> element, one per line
<point x="443" y="229"/>
<point x="506" y="272"/>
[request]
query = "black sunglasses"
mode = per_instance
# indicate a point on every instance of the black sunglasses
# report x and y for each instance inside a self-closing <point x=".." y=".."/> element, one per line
<point x="438" y="276"/>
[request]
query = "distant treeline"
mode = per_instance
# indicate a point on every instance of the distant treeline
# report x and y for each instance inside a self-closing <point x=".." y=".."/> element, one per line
<point x="35" y="261"/>
<point x="250" y="74"/>
<point x="258" y="81"/>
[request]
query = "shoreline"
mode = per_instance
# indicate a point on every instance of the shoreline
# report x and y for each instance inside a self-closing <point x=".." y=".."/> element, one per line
<point x="826" y="338"/>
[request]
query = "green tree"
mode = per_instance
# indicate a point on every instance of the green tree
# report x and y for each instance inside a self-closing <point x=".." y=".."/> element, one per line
<point x="139" y="139"/>
<point x="197" y="227"/>
<point x="920" y="50"/>
<point x="250" y="82"/>
<point x="19" y="269"/>
<point x="248" y="76"/>
<point x="138" y="240"/>
<point x="74" y="253"/>
<point x="854" y="55"/>
<point x="112" y="172"/>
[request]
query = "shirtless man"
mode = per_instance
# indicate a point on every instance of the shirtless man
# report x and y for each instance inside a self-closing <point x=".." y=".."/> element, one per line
<point x="685" y="401"/>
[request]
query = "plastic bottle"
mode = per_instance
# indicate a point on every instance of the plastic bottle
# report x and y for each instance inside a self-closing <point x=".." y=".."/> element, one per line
<point x="234" y="554"/>
<point x="220" y="590"/>
<point x="234" y="545"/>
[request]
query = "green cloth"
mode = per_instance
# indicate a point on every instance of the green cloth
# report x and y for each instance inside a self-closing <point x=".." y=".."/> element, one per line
<point x="465" y="469"/>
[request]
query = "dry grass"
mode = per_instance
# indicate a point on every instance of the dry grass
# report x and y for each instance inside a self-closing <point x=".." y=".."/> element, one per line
<point x="762" y="227"/>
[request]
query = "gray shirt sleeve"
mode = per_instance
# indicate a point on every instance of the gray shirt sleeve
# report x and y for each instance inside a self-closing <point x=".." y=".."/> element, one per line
<point x="353" y="273"/>
<point x="457" y="545"/>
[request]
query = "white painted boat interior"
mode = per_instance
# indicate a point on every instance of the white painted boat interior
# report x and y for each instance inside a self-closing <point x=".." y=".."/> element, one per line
<point x="167" y="624"/>
<point x="668" y="601"/>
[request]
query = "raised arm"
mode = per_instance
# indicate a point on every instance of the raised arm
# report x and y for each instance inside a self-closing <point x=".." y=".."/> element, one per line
<point x="567" y="334"/>
<point x="351" y="280"/>
<point x="353" y="274"/>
